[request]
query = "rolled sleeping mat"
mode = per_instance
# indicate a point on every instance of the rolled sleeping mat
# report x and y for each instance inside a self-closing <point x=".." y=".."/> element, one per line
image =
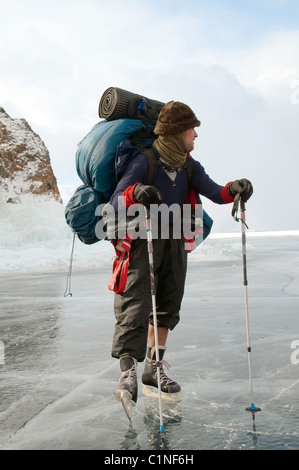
<point x="114" y="104"/>
<point x="117" y="103"/>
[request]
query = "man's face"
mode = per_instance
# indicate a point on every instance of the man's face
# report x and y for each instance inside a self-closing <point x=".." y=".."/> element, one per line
<point x="190" y="135"/>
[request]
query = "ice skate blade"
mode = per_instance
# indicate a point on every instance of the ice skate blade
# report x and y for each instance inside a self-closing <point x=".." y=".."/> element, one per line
<point x="153" y="392"/>
<point x="126" y="399"/>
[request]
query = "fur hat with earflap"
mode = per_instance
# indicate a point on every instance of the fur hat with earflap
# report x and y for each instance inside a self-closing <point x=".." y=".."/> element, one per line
<point x="175" y="117"/>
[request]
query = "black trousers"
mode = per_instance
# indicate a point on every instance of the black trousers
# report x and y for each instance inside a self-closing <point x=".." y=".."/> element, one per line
<point x="133" y="308"/>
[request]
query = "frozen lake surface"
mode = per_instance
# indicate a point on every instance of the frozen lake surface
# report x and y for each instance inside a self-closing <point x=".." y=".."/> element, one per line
<point x="58" y="378"/>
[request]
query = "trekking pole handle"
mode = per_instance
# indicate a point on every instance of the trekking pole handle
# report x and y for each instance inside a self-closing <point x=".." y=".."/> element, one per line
<point x="238" y="201"/>
<point x="242" y="205"/>
<point x="236" y="207"/>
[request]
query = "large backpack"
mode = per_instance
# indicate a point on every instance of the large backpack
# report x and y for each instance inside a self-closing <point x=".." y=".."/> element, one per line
<point x="81" y="211"/>
<point x="104" y="153"/>
<point x="100" y="166"/>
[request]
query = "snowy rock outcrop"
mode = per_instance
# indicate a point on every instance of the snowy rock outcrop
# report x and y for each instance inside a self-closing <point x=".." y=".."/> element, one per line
<point x="25" y="165"/>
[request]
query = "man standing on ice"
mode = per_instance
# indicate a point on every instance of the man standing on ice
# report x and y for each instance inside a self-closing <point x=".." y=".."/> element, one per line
<point x="134" y="338"/>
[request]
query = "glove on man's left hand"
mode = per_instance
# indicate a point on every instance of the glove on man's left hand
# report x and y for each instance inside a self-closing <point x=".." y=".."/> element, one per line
<point x="147" y="195"/>
<point x="242" y="187"/>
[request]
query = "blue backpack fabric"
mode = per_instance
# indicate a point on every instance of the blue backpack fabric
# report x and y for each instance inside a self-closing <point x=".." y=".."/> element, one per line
<point x="126" y="151"/>
<point x="95" y="156"/>
<point x="96" y="167"/>
<point x="80" y="213"/>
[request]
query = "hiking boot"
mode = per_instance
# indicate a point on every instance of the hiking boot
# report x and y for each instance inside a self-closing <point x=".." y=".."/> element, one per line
<point x="128" y="381"/>
<point x="169" y="388"/>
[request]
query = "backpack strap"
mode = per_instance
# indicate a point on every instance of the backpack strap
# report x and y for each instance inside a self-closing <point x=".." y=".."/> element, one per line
<point x="154" y="162"/>
<point x="122" y="249"/>
<point x="189" y="167"/>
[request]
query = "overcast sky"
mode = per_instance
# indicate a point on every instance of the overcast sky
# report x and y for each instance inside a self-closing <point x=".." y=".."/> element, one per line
<point x="234" y="62"/>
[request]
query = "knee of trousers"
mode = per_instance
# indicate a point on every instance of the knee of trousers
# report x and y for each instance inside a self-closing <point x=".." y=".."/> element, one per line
<point x="130" y="342"/>
<point x="165" y="319"/>
<point x="131" y="328"/>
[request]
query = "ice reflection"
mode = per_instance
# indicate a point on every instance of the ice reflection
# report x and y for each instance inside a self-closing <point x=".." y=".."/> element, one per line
<point x="130" y="440"/>
<point x="30" y="330"/>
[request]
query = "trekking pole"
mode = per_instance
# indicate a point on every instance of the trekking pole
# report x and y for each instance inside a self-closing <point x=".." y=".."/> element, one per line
<point x="67" y="291"/>
<point x="153" y="293"/>
<point x="253" y="409"/>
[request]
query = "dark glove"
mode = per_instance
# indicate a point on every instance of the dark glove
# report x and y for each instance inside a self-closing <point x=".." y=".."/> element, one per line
<point x="147" y="195"/>
<point x="242" y="187"/>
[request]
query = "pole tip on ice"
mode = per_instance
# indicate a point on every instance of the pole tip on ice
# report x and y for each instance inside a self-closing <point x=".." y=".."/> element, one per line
<point x="253" y="409"/>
